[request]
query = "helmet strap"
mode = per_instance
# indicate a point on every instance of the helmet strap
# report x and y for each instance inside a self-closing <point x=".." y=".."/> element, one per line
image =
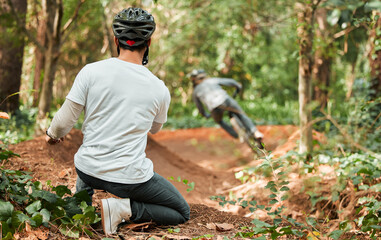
<point x="145" y="57"/>
<point x="118" y="49"/>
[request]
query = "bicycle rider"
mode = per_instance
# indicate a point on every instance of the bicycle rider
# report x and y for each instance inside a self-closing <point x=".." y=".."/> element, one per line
<point x="208" y="91"/>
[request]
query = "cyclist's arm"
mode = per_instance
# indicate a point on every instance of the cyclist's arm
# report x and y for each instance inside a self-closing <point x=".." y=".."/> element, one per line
<point x="200" y="106"/>
<point x="64" y="119"/>
<point x="229" y="82"/>
<point x="155" y="127"/>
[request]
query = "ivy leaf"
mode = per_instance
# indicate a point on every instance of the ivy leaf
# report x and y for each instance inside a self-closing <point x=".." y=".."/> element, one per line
<point x="45" y="195"/>
<point x="45" y="215"/>
<point x="259" y="223"/>
<point x="6" y="210"/>
<point x="36" y="220"/>
<point x="33" y="207"/>
<point x="18" y="218"/>
<point x="61" y="190"/>
<point x="83" y="196"/>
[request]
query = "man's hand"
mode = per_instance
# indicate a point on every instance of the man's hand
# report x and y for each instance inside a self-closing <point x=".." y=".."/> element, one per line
<point x="52" y="141"/>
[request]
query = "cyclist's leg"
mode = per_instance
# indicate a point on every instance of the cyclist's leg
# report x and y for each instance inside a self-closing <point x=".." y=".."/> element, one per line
<point x="155" y="200"/>
<point x="217" y="115"/>
<point x="233" y="106"/>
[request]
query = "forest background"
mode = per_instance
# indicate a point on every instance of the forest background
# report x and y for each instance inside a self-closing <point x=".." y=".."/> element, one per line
<point x="313" y="63"/>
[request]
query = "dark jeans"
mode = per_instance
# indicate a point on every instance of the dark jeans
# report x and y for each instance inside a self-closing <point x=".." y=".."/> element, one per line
<point x="231" y="106"/>
<point x="155" y="200"/>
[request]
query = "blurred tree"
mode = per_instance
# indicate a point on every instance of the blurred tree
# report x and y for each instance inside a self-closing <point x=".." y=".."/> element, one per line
<point x="55" y="34"/>
<point x="305" y="11"/>
<point x="375" y="56"/>
<point x="11" y="52"/>
<point x="41" y="22"/>
<point x="323" y="56"/>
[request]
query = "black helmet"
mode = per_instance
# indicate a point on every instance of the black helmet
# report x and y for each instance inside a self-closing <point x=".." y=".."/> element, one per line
<point x="197" y="74"/>
<point x="133" y="27"/>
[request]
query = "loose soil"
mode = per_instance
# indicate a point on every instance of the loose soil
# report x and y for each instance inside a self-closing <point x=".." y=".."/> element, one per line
<point x="206" y="156"/>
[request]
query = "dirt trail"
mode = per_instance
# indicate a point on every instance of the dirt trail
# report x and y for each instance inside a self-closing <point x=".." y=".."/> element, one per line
<point x="205" y="156"/>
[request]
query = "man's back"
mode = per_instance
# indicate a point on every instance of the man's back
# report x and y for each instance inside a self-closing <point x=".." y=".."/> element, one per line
<point x="121" y="101"/>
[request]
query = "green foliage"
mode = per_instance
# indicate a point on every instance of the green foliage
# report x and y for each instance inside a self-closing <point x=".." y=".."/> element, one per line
<point x="362" y="170"/>
<point x="19" y="127"/>
<point x="24" y="201"/>
<point x="184" y="181"/>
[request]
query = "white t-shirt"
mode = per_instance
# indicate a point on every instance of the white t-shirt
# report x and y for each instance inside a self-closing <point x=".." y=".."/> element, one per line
<point x="121" y="101"/>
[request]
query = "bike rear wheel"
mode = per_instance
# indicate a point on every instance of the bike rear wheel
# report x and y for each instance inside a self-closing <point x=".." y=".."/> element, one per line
<point x="244" y="136"/>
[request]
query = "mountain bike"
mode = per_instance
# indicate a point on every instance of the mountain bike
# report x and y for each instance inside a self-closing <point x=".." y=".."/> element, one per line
<point x="244" y="136"/>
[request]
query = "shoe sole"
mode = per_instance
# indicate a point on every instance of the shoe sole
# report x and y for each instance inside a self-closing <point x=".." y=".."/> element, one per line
<point x="104" y="214"/>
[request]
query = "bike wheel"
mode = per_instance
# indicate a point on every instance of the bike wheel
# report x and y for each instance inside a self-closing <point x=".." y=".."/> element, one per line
<point x="249" y="139"/>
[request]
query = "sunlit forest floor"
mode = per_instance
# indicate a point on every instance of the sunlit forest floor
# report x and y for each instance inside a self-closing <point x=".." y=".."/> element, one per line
<point x="206" y="156"/>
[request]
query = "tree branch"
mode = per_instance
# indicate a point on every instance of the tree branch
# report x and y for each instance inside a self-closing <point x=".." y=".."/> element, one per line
<point x="25" y="30"/>
<point x="346" y="135"/>
<point x="73" y="18"/>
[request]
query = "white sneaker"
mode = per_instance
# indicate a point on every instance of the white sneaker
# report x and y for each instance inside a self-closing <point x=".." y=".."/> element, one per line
<point x="258" y="135"/>
<point x="113" y="212"/>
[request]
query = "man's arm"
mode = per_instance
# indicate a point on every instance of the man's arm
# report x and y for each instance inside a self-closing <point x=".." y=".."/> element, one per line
<point x="156" y="127"/>
<point x="64" y="120"/>
<point x="200" y="106"/>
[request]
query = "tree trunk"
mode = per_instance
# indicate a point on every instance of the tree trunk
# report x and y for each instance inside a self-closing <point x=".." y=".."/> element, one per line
<point x="11" y="54"/>
<point x="375" y="58"/>
<point x="54" y="17"/>
<point x="39" y="55"/>
<point x="322" y="60"/>
<point x="305" y="36"/>
<point x="109" y="37"/>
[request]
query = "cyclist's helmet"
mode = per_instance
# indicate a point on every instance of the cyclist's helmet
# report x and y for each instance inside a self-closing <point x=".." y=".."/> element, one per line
<point x="133" y="27"/>
<point x="198" y="74"/>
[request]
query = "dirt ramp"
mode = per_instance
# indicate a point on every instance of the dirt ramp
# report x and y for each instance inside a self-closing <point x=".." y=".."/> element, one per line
<point x="207" y="183"/>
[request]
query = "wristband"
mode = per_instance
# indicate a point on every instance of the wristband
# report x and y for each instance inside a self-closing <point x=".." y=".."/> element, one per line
<point x="54" y="139"/>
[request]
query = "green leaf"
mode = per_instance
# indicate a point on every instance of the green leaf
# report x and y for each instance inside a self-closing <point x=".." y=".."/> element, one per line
<point x="6" y="210"/>
<point x="78" y="216"/>
<point x="5" y="229"/>
<point x="82" y="196"/>
<point x="375" y="5"/>
<point x="270" y="184"/>
<point x="336" y="234"/>
<point x="36" y="220"/>
<point x="18" y="218"/>
<point x="260" y="223"/>
<point x="61" y="190"/>
<point x="191" y="186"/>
<point x="45" y="195"/>
<point x="272" y="196"/>
<point x="45" y="215"/>
<point x="273" y="201"/>
<point x="244" y="204"/>
<point x="277" y="221"/>
<point x="333" y="17"/>
<point x="33" y="207"/>
<point x="284" y="188"/>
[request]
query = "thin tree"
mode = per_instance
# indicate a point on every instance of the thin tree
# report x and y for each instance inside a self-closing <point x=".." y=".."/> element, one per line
<point x="375" y="56"/>
<point x="305" y="13"/>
